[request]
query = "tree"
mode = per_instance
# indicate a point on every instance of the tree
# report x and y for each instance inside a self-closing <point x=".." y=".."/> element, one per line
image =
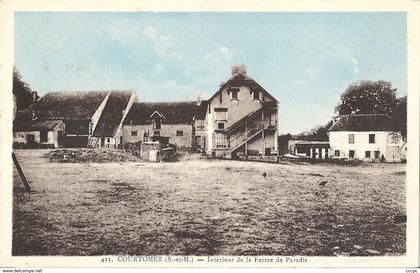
<point x="368" y="97"/>
<point x="400" y="116"/>
<point x="22" y="91"/>
<point x="318" y="133"/>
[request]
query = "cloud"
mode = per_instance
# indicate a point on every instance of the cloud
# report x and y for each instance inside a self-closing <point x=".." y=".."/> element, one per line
<point x="311" y="72"/>
<point x="355" y="65"/>
<point x="226" y="52"/>
<point x="150" y="32"/>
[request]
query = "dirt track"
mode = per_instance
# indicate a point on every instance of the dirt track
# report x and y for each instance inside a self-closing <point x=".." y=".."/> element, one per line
<point x="201" y="207"/>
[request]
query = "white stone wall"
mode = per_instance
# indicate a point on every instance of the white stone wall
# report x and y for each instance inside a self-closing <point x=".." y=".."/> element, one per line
<point x="340" y="141"/>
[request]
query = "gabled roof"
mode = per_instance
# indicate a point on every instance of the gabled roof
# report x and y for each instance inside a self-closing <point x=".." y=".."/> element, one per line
<point x="69" y="105"/>
<point x="363" y="123"/>
<point x="112" y="114"/>
<point x="173" y="112"/>
<point x="241" y="79"/>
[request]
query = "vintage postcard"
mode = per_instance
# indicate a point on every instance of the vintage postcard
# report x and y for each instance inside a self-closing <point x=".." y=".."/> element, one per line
<point x="149" y="134"/>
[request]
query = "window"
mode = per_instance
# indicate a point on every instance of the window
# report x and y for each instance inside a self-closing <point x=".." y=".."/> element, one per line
<point x="220" y="125"/>
<point x="43" y="136"/>
<point x="371" y="138"/>
<point x="367" y="154"/>
<point x="108" y="140"/>
<point x="133" y="133"/>
<point x="220" y="97"/>
<point x="156" y="133"/>
<point x="337" y="153"/>
<point x="376" y="154"/>
<point x="351" y="138"/>
<point x="30" y="139"/>
<point x="157" y="124"/>
<point x="220" y="140"/>
<point x="234" y="93"/>
<point x="256" y="94"/>
<point x="351" y="154"/>
<point x="179" y="133"/>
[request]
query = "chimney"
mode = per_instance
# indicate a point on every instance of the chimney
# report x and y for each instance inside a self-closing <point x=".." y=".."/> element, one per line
<point x="236" y="69"/>
<point x="199" y="99"/>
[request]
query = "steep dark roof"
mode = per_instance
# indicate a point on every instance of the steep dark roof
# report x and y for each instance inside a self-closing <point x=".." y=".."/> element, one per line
<point x="363" y="123"/>
<point x="173" y="112"/>
<point x="112" y="114"/>
<point x="202" y="110"/>
<point x="69" y="105"/>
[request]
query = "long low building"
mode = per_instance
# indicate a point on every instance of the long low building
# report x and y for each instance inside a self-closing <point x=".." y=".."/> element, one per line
<point x="366" y="137"/>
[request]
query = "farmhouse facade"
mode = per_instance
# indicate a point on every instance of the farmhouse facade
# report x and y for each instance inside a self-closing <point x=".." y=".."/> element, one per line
<point x="366" y="137"/>
<point x="176" y="122"/>
<point x="241" y="118"/>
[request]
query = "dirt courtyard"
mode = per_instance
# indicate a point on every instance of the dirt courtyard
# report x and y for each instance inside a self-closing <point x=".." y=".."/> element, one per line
<point x="208" y="207"/>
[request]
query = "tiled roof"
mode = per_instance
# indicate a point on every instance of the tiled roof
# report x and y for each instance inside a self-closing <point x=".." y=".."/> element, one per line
<point x="173" y="112"/>
<point x="69" y="105"/>
<point x="35" y="125"/>
<point x="363" y="122"/>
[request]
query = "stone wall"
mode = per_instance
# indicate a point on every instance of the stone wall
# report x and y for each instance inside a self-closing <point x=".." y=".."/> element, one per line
<point x="146" y="147"/>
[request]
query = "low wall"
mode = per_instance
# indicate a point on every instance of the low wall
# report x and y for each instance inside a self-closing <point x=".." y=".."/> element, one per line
<point x="146" y="147"/>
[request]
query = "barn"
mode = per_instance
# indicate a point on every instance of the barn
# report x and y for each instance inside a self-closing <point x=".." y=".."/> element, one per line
<point x="73" y="117"/>
<point x="175" y="121"/>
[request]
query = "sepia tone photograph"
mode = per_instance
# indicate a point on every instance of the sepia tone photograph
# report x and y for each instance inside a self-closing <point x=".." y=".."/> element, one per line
<point x="210" y="133"/>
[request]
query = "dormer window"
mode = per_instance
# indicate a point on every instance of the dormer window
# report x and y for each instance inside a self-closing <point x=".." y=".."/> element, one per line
<point x="157" y="124"/>
<point x="256" y="95"/>
<point x="157" y="119"/>
<point x="234" y="93"/>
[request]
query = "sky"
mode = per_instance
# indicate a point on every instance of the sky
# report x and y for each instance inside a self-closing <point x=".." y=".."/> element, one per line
<point x="305" y="60"/>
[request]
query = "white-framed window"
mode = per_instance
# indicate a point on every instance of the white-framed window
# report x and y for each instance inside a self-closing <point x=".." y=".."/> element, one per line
<point x="337" y="153"/>
<point x="179" y="133"/>
<point x="133" y="133"/>
<point x="367" y="154"/>
<point x="220" y="125"/>
<point x="351" y="138"/>
<point x="157" y="124"/>
<point x="234" y="93"/>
